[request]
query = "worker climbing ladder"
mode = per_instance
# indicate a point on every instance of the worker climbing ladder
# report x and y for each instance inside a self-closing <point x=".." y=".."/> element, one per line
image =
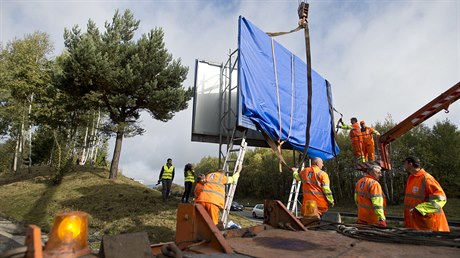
<point x="237" y="144"/>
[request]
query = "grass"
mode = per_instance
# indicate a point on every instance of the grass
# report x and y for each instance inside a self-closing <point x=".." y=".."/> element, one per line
<point x="114" y="206"/>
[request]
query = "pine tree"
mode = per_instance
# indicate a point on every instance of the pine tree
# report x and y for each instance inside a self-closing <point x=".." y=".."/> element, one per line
<point x="123" y="76"/>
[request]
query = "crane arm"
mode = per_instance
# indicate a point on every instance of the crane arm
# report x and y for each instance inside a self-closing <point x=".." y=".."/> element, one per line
<point x="439" y="103"/>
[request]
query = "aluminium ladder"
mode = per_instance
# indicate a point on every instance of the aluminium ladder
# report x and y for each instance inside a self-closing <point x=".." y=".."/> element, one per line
<point x="294" y="194"/>
<point x="237" y="144"/>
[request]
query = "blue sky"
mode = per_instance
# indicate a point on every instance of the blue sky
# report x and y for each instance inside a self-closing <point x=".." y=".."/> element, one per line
<point x="382" y="57"/>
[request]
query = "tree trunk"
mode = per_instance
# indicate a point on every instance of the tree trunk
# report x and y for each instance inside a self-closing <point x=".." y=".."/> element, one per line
<point x="82" y="160"/>
<point x="18" y="148"/>
<point x="16" y="154"/>
<point x="94" y="155"/>
<point x="94" y="139"/>
<point x="30" y="133"/>
<point x="116" y="155"/>
<point x="56" y="141"/>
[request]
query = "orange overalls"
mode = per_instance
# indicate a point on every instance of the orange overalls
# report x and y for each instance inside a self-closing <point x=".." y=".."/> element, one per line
<point x="423" y="190"/>
<point x="212" y="197"/>
<point x="357" y="142"/>
<point x="368" y="143"/>
<point x="370" y="200"/>
<point x="313" y="182"/>
<point x="198" y="189"/>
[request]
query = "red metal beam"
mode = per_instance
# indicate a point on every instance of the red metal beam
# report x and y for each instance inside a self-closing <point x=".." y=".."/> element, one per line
<point x="443" y="101"/>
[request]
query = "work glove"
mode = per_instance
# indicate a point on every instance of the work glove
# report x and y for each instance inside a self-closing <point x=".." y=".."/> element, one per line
<point x="414" y="212"/>
<point x="382" y="224"/>
<point x="235" y="177"/>
<point x="295" y="174"/>
<point x="332" y="204"/>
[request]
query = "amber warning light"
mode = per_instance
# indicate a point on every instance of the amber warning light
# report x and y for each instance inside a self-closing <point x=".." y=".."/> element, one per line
<point x="69" y="235"/>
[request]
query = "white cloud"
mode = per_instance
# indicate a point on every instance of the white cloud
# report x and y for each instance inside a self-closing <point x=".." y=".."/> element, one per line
<point x="382" y="57"/>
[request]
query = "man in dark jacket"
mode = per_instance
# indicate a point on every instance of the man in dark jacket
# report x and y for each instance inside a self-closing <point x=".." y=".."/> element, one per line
<point x="166" y="178"/>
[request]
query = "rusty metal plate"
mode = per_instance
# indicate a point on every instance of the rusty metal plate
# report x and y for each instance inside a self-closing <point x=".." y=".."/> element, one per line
<point x="281" y="243"/>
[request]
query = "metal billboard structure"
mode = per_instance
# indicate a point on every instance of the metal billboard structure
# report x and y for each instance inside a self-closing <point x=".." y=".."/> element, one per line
<point x="215" y="105"/>
<point x="263" y="87"/>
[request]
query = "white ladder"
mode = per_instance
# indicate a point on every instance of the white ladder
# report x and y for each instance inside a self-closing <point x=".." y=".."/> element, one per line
<point x="294" y="194"/>
<point x="237" y="144"/>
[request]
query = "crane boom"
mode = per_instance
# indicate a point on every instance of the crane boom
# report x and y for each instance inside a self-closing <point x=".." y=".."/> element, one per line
<point x="441" y="102"/>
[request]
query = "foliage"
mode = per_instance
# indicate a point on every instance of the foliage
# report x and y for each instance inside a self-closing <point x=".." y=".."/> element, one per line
<point x="206" y="165"/>
<point x="436" y="147"/>
<point x="261" y="177"/>
<point x="42" y="145"/>
<point x="443" y="143"/>
<point x="25" y="72"/>
<point x="64" y="99"/>
<point x="6" y="153"/>
<point x="123" y="76"/>
<point x="114" y="207"/>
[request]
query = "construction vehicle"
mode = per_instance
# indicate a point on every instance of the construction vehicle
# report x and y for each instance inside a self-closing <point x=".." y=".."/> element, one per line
<point x="442" y="102"/>
<point x="282" y="234"/>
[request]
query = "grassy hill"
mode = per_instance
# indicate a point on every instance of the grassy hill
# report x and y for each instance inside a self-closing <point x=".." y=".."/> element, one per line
<point x="114" y="206"/>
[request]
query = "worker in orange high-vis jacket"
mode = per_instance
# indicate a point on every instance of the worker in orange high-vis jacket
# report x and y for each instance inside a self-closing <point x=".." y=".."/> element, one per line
<point x="370" y="198"/>
<point x="315" y="185"/>
<point x="199" y="186"/>
<point x="355" y="137"/>
<point x="212" y="197"/>
<point x="423" y="200"/>
<point x="368" y="141"/>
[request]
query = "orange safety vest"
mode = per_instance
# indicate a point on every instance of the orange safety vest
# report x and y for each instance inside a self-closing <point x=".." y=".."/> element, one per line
<point x="312" y="180"/>
<point x="198" y="189"/>
<point x="214" y="189"/>
<point x="368" y="144"/>
<point x="367" y="135"/>
<point x="422" y="187"/>
<point x="357" y="141"/>
<point x="366" y="188"/>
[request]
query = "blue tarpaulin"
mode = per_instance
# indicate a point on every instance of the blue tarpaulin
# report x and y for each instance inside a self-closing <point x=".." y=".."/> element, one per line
<point x="273" y="94"/>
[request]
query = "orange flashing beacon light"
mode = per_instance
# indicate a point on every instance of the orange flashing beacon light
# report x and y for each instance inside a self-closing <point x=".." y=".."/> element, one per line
<point x="68" y="236"/>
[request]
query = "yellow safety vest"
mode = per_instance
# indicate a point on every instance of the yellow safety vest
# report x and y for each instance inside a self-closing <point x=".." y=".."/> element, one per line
<point x="189" y="176"/>
<point x="167" y="172"/>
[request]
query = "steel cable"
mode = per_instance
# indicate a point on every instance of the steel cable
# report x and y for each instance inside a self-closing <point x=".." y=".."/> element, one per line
<point x="392" y="235"/>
